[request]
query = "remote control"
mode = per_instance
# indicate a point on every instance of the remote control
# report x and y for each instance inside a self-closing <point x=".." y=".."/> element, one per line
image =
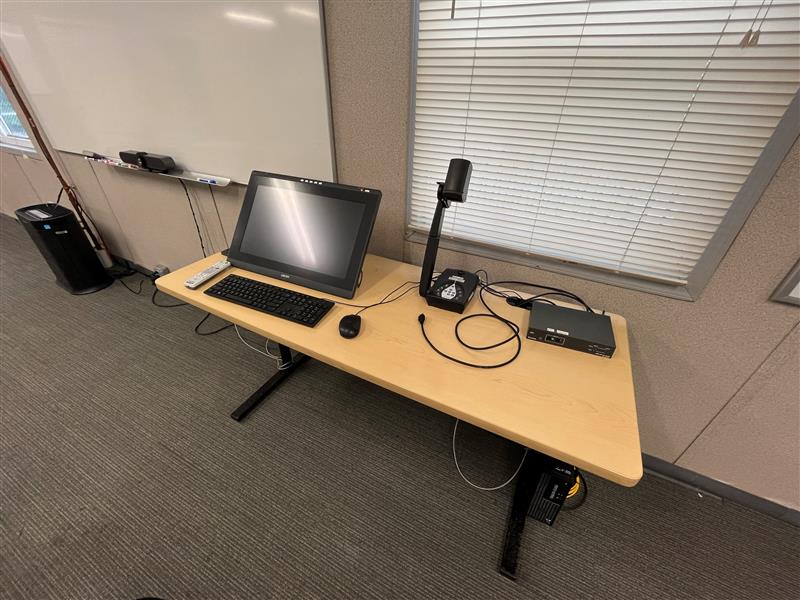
<point x="203" y="276"/>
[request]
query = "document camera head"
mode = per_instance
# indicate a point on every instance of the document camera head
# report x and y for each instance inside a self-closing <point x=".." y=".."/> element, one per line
<point x="454" y="188"/>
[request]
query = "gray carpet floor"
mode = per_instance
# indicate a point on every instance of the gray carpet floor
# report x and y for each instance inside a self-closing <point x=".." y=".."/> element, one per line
<point x="123" y="477"/>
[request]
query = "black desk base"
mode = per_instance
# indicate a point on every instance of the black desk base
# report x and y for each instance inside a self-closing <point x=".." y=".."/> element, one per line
<point x="288" y="365"/>
<point x="532" y="481"/>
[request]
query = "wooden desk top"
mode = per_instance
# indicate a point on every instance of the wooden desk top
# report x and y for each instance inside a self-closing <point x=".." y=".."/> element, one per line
<point x="573" y="406"/>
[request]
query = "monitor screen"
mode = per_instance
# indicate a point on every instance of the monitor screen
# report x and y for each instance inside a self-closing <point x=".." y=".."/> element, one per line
<point x="305" y="231"/>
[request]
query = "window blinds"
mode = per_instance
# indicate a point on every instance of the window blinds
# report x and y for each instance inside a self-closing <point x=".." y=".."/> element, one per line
<point x="611" y="133"/>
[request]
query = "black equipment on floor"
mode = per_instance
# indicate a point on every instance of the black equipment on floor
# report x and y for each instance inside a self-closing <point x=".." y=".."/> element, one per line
<point x="63" y="244"/>
<point x="273" y="300"/>
<point x="543" y="484"/>
<point x="453" y="289"/>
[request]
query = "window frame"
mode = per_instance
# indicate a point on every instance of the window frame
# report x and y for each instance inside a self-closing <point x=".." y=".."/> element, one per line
<point x="13" y="144"/>
<point x="776" y="149"/>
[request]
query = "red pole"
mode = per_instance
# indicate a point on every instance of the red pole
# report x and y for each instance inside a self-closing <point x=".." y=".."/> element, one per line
<point x="96" y="238"/>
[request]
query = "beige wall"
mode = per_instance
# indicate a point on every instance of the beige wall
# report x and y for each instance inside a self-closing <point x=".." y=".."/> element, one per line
<point x="143" y="217"/>
<point x="759" y="426"/>
<point x="369" y="75"/>
<point x="703" y="370"/>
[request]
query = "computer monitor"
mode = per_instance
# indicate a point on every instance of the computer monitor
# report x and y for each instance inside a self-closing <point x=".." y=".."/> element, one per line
<point x="309" y="232"/>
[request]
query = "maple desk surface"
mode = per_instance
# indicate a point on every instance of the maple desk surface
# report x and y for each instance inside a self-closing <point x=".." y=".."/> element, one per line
<point x="573" y="406"/>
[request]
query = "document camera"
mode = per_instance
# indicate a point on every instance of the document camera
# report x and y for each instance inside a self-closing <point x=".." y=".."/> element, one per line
<point x="454" y="288"/>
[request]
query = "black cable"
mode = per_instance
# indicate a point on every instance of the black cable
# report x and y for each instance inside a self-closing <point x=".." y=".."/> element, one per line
<point x="486" y="287"/>
<point x="515" y="336"/>
<point x="559" y="291"/>
<point x="513" y="327"/>
<point x="127" y="272"/>
<point x="58" y="200"/>
<point x="153" y="300"/>
<point x="136" y="291"/>
<point x="382" y="300"/>
<point x="194" y="216"/>
<point x="215" y="331"/>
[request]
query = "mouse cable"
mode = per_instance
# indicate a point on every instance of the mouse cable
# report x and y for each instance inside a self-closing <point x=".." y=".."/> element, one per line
<point x="479" y="487"/>
<point x="383" y="300"/>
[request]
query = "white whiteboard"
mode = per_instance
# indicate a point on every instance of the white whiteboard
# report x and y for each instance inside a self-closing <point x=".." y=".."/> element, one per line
<point x="222" y="87"/>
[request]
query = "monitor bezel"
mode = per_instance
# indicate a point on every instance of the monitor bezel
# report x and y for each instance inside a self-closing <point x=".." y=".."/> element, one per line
<point x="344" y="287"/>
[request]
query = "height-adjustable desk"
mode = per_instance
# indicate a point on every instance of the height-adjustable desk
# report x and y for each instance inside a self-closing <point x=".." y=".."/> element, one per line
<point x="575" y="407"/>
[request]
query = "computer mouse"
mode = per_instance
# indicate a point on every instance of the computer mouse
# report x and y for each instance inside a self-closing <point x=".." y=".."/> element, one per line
<point x="350" y="326"/>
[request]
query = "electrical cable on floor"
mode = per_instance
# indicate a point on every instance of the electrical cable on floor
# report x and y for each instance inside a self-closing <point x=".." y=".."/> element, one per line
<point x="137" y="291"/>
<point x="266" y="347"/>
<point x="194" y="217"/>
<point x="126" y="273"/>
<point x="153" y="300"/>
<point x="213" y="332"/>
<point x="479" y="487"/>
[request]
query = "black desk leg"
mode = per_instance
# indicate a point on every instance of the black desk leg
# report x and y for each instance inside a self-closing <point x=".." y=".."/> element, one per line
<point x="290" y="364"/>
<point x="527" y="480"/>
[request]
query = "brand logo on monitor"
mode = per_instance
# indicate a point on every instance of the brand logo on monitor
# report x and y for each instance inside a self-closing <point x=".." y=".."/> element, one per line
<point x="285" y="275"/>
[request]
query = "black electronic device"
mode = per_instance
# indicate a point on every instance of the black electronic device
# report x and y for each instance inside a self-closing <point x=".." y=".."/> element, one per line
<point x="312" y="233"/>
<point x="350" y="326"/>
<point x="158" y="163"/>
<point x="64" y="245"/>
<point x="454" y="288"/>
<point x="572" y="328"/>
<point x="273" y="300"/>
<point x="555" y="481"/>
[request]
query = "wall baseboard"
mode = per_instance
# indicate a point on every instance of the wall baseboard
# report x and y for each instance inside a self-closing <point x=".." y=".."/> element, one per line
<point x="706" y="485"/>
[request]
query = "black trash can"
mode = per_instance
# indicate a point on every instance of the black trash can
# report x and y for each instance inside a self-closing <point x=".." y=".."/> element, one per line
<point x="63" y="244"/>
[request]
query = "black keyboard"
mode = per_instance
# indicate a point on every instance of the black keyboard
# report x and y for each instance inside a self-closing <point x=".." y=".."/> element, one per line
<point x="292" y="306"/>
